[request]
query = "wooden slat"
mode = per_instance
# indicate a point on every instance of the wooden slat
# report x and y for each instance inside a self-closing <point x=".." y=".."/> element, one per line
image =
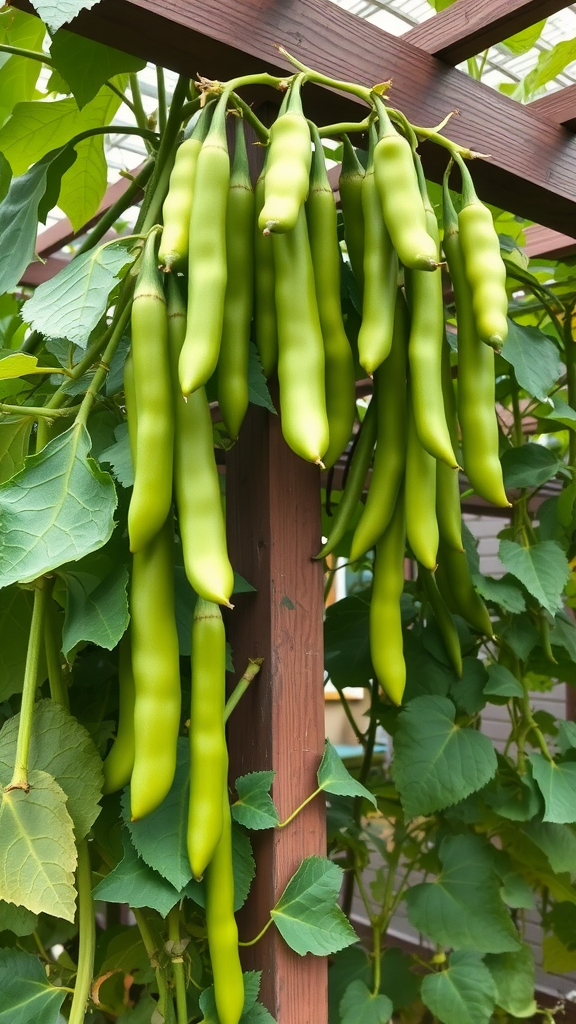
<point x="559" y="106"/>
<point x="550" y="244"/>
<point x="471" y="26"/>
<point x="532" y="169"/>
<point x="273" y="514"/>
<point x="40" y="271"/>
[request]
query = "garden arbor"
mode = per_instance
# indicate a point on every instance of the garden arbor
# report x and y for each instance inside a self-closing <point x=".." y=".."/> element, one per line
<point x="272" y="496"/>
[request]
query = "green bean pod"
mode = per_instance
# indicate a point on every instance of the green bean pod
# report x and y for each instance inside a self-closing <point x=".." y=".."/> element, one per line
<point x="444" y="619"/>
<point x="386" y="642"/>
<point x="221" y="926"/>
<point x="154" y="443"/>
<point x="156" y="668"/>
<point x="265" y="329"/>
<point x="455" y="585"/>
<point x="350" y="188"/>
<point x="196" y="484"/>
<point x="390" y="458"/>
<point x="476" y="381"/>
<point x="208" y="757"/>
<point x="288" y="167"/>
<point x="420" y="489"/>
<point x="359" y="467"/>
<point x="207" y="271"/>
<point x="484" y="266"/>
<point x="173" y="251"/>
<point x="239" y="297"/>
<point x="425" y="352"/>
<point x="301" y="365"/>
<point x="402" y="205"/>
<point x="339" y="363"/>
<point x="119" y="761"/>
<point x="448" y="509"/>
<point x="380" y="275"/>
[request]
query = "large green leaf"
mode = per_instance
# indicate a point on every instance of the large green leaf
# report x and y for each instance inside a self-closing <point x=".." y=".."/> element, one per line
<point x="558" y="843"/>
<point x="535" y="359"/>
<point x="119" y="457"/>
<point x="26" y="995"/>
<point x="14" y="440"/>
<point x="347" y="643"/>
<point x="63" y="748"/>
<point x="501" y="682"/>
<point x="551" y="63"/>
<point x="57" y="509"/>
<point x="464" y="994"/>
<point x="57" y="14"/>
<point x="257" y="385"/>
<point x="19" y="221"/>
<point x="513" y="974"/>
<point x="15" y="619"/>
<point x="542" y="568"/>
<point x="463" y="907"/>
<point x="529" y="466"/>
<point x="523" y="41"/>
<point x="437" y="762"/>
<point x="135" y="883"/>
<point x="17" y="919"/>
<point x="86" y="65"/>
<point x="160" y="837"/>
<point x="334" y="777"/>
<point x="307" y="914"/>
<point x="98" y="613"/>
<point x="557" y="783"/>
<point x="360" y="1006"/>
<point x="38" y="853"/>
<point x="73" y="302"/>
<point x="504" y="592"/>
<point x="18" y="75"/>
<point x="243" y="869"/>
<point x="254" y="807"/>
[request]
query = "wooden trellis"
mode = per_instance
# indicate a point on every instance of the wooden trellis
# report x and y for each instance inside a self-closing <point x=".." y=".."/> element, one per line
<point x="272" y="496"/>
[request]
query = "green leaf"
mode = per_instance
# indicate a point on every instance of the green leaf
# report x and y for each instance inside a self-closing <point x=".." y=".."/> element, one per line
<point x="557" y="959"/>
<point x="160" y="837"/>
<point x="437" y="762"/>
<point x="307" y="914"/>
<point x="57" y="509"/>
<point x="504" y="592"/>
<point x="464" y="994"/>
<point x="514" y="977"/>
<point x="347" y="642"/>
<point x="63" y="748"/>
<point x="119" y="457"/>
<point x="501" y="682"/>
<point x="556" y="841"/>
<point x="566" y="736"/>
<point x="73" y="302"/>
<point x="86" y="65"/>
<point x="529" y="466"/>
<point x="17" y="919"/>
<point x="15" y="620"/>
<point x="19" y="221"/>
<point x="95" y="614"/>
<point x="522" y="636"/>
<point x="468" y="692"/>
<point x="26" y="995"/>
<point x="254" y="807"/>
<point x="522" y="42"/>
<point x="258" y="392"/>
<point x="563" y="634"/>
<point x="396" y="978"/>
<point x="558" y="410"/>
<point x="551" y="63"/>
<point x="5" y="175"/>
<point x="557" y="784"/>
<point x="18" y="75"/>
<point x="542" y="568"/>
<point x="56" y="15"/>
<point x="56" y="172"/>
<point x="38" y="853"/>
<point x="513" y="796"/>
<point x="360" y="1006"/>
<point x="535" y="359"/>
<point x="136" y="884"/>
<point x="334" y="777"/>
<point x="14" y="441"/>
<point x="463" y="907"/>
<point x="252" y="1012"/>
<point x="241" y="586"/>
<point x="243" y="869"/>
<point x="17" y="365"/>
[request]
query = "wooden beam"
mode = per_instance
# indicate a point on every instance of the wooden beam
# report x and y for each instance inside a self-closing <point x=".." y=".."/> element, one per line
<point x="273" y="516"/>
<point x="532" y="168"/>
<point x="549" y="244"/>
<point x="471" y="26"/>
<point x="43" y="270"/>
<point x="559" y="106"/>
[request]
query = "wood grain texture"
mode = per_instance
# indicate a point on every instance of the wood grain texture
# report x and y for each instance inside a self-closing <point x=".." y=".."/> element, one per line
<point x="551" y="244"/>
<point x="559" y="106"/>
<point x="273" y="514"/>
<point x="471" y="26"/>
<point x="532" y="166"/>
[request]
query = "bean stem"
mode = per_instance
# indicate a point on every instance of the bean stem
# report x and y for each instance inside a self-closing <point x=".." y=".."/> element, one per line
<point x="252" y="942"/>
<point x="36" y="411"/>
<point x="178" y="966"/>
<point x="58" y="688"/>
<point x="86" y="935"/>
<point x="123" y="203"/>
<point x="282" y="824"/>
<point x="104" y="366"/>
<point x="254" y="666"/>
<point x="20" y="775"/>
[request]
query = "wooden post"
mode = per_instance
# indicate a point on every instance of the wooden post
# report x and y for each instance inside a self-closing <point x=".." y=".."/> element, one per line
<point x="273" y="513"/>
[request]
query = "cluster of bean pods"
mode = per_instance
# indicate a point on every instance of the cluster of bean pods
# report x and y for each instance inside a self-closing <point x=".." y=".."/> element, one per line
<point x="265" y="262"/>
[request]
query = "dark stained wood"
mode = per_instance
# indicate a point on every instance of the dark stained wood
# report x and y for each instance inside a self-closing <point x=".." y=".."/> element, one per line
<point x="532" y="166"/>
<point x="471" y="26"/>
<point x="41" y="271"/>
<point x="550" y="244"/>
<point x="273" y="513"/>
<point x="559" y="106"/>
